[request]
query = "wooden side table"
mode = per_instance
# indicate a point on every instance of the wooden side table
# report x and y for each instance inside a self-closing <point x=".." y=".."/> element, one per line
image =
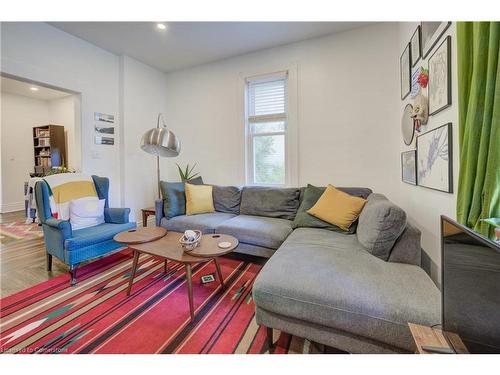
<point x="429" y="336"/>
<point x="146" y="212"/>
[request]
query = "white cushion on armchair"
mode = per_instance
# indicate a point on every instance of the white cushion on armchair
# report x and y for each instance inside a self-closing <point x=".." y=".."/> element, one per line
<point x="86" y="212"/>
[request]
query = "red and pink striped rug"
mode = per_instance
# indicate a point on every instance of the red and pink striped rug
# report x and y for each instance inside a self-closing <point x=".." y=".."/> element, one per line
<point x="97" y="317"/>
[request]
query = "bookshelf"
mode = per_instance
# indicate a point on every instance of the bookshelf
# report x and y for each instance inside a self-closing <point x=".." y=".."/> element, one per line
<point x="49" y="148"/>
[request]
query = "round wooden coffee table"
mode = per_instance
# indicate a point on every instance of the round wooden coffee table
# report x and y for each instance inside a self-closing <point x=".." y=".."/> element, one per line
<point x="169" y="248"/>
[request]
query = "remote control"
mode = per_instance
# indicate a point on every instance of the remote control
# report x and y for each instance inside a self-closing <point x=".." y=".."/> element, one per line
<point x="438" y="349"/>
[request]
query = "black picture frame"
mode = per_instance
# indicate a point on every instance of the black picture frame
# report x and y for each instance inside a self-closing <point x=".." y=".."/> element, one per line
<point x="416" y="38"/>
<point x="446" y="41"/>
<point x="429" y="41"/>
<point x="450" y="157"/>
<point x="414" y="152"/>
<point x="407" y="50"/>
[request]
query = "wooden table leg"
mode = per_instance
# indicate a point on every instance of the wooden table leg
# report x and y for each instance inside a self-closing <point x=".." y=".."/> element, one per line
<point x="190" y="289"/>
<point x="219" y="273"/>
<point x="165" y="266"/>
<point x="132" y="271"/>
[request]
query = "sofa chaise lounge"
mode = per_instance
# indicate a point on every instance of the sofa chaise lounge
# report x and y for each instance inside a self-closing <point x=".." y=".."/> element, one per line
<point x="355" y="292"/>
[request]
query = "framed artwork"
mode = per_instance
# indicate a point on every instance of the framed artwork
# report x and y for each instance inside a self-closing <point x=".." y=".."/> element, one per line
<point x="416" y="47"/>
<point x="430" y="32"/>
<point x="405" y="72"/>
<point x="434" y="159"/>
<point x="440" y="78"/>
<point x="409" y="167"/>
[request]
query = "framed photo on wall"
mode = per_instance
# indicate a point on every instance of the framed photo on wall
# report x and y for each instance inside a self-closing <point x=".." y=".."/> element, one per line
<point x="440" y="78"/>
<point x="405" y="72"/>
<point x="434" y="159"/>
<point x="430" y="32"/>
<point x="409" y="167"/>
<point x="416" y="47"/>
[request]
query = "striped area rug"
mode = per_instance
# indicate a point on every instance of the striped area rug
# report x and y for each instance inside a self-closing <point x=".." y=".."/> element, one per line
<point x="97" y="317"/>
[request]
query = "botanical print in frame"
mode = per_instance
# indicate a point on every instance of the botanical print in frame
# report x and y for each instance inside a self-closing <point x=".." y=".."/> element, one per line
<point x="416" y="49"/>
<point x="430" y="32"/>
<point x="434" y="159"/>
<point x="409" y="167"/>
<point x="404" y="68"/>
<point x="440" y="78"/>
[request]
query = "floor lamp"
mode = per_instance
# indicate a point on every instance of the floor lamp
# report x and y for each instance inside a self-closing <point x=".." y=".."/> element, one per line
<point x="162" y="142"/>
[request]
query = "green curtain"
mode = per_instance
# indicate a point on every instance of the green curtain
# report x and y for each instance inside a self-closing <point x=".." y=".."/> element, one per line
<point x="479" y="122"/>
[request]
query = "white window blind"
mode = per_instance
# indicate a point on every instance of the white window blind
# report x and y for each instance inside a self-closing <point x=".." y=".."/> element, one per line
<point x="266" y="129"/>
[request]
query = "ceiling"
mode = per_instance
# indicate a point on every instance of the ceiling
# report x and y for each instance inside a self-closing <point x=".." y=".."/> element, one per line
<point x="187" y="44"/>
<point x="13" y="86"/>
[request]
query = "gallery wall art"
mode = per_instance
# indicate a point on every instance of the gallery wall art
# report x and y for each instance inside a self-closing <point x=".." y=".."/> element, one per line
<point x="434" y="159"/>
<point x="405" y="72"/>
<point x="430" y="34"/>
<point x="416" y="49"/>
<point x="409" y="167"/>
<point x="440" y="78"/>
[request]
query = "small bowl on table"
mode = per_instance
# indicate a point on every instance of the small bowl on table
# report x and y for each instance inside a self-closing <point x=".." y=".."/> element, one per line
<point x="192" y="243"/>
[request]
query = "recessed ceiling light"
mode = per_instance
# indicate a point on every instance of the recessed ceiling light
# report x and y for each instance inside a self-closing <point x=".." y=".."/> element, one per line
<point x="161" y="26"/>
<point x="34" y="88"/>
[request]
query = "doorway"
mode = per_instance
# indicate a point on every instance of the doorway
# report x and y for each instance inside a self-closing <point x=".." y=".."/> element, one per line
<point x="39" y="135"/>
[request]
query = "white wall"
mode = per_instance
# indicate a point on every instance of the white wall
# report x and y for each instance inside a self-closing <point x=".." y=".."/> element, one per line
<point x="347" y="113"/>
<point x="64" y="112"/>
<point x="18" y="117"/>
<point x="424" y="206"/>
<point x="39" y="52"/>
<point x="143" y="96"/>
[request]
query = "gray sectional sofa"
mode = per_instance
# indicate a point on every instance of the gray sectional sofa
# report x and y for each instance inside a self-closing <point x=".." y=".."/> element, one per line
<point x="355" y="292"/>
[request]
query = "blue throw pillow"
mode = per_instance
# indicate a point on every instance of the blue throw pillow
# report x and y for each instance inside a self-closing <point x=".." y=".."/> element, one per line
<point x="174" y="197"/>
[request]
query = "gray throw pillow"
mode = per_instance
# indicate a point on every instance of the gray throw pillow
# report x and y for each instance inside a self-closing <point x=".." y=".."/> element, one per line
<point x="174" y="197"/>
<point x="227" y="199"/>
<point x="270" y="202"/>
<point x="380" y="224"/>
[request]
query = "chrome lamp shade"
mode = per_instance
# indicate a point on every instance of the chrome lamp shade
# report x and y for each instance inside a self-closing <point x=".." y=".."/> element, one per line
<point x="161" y="142"/>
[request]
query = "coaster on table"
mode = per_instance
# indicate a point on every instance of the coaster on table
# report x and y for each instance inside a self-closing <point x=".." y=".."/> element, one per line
<point x="224" y="245"/>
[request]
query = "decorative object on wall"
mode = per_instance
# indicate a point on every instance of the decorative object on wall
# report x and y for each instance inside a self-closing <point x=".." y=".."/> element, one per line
<point x="409" y="167"/>
<point x="434" y="159"/>
<point x="416" y="47"/>
<point x="423" y="77"/>
<point x="440" y="78"/>
<point x="109" y="141"/>
<point x="405" y="72"/>
<point x="415" y="86"/>
<point x="407" y="125"/>
<point x="103" y="117"/>
<point x="420" y="112"/>
<point x="104" y="129"/>
<point x="430" y="32"/>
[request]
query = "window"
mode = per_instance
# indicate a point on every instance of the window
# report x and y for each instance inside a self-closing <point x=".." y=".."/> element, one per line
<point x="266" y="130"/>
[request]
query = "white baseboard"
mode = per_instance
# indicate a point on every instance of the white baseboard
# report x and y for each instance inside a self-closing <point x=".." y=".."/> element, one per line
<point x="12" y="207"/>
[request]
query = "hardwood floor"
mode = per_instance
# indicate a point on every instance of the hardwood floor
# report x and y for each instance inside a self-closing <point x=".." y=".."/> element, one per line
<point x="22" y="262"/>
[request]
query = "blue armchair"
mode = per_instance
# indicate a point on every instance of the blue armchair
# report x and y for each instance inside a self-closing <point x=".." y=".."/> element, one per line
<point x="75" y="246"/>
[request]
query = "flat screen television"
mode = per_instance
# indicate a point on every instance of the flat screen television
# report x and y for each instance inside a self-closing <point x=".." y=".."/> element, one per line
<point x="470" y="287"/>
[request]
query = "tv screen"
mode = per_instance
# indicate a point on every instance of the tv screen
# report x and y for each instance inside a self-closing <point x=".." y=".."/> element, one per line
<point x="470" y="287"/>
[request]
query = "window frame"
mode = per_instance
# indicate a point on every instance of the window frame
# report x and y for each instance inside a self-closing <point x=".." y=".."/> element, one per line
<point x="291" y="136"/>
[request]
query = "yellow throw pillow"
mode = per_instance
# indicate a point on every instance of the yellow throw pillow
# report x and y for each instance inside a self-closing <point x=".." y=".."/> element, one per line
<point x="199" y="199"/>
<point x="337" y="208"/>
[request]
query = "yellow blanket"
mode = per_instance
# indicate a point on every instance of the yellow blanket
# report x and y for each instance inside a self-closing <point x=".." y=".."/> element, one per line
<point x="65" y="187"/>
